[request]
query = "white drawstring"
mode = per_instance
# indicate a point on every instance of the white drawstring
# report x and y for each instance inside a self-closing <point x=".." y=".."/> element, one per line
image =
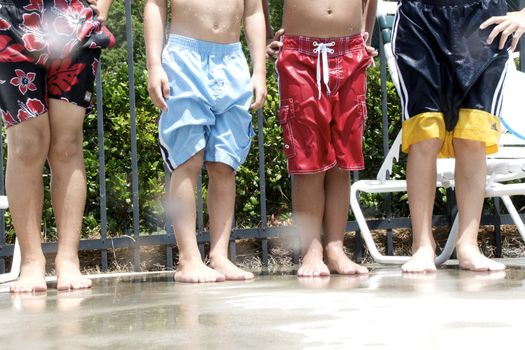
<point x="322" y="50"/>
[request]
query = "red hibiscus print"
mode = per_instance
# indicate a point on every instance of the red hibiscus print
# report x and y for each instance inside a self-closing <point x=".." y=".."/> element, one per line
<point x="11" y="51"/>
<point x="33" y="108"/>
<point x="8" y="118"/>
<point x="74" y="18"/>
<point x="35" y="38"/>
<point x="24" y="81"/>
<point x="62" y="75"/>
<point x="35" y="5"/>
<point x="4" y="25"/>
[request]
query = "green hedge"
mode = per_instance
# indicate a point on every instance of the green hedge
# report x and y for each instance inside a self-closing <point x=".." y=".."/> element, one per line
<point x="151" y="171"/>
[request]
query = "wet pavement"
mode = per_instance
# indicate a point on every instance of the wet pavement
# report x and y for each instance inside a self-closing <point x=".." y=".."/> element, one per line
<point x="450" y="309"/>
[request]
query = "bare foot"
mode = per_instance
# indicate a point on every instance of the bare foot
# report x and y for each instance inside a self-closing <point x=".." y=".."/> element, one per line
<point x="230" y="270"/>
<point x="470" y="258"/>
<point x="68" y="274"/>
<point x="339" y="263"/>
<point x="313" y="266"/>
<point x="32" y="277"/>
<point x="422" y="261"/>
<point x="196" y="272"/>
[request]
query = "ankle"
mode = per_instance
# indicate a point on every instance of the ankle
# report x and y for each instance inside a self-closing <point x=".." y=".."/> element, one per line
<point x="190" y="259"/>
<point x="71" y="257"/>
<point x="218" y="258"/>
<point x="427" y="247"/>
<point x="33" y="259"/>
<point x="334" y="248"/>
<point x="466" y="247"/>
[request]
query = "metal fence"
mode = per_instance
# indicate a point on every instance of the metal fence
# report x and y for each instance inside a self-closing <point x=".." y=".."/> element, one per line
<point x="262" y="233"/>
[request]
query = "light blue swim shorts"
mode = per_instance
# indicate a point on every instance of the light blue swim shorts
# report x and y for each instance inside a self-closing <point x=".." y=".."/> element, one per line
<point x="210" y="94"/>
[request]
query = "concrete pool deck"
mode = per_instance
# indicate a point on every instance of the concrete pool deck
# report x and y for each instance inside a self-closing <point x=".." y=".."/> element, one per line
<point x="450" y="309"/>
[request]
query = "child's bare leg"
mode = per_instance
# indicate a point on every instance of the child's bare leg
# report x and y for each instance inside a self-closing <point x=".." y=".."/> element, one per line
<point x="470" y="189"/>
<point x="27" y="148"/>
<point x="308" y="199"/>
<point x="183" y="184"/>
<point x="421" y="181"/>
<point x="68" y="189"/>
<point x="221" y="203"/>
<point x="337" y="202"/>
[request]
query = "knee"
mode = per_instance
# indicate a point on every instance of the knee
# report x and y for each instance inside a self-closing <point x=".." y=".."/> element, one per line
<point x="65" y="148"/>
<point x="219" y="170"/>
<point x="192" y="166"/>
<point x="428" y="148"/>
<point x="467" y="147"/>
<point x="28" y="147"/>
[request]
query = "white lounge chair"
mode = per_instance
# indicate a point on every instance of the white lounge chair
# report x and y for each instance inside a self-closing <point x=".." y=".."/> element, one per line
<point x="15" y="265"/>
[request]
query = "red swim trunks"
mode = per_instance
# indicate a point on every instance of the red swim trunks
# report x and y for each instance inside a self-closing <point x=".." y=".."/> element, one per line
<point x="48" y="49"/>
<point x="322" y="87"/>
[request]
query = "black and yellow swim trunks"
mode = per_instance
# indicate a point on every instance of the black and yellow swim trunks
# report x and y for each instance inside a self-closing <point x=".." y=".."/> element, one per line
<point x="451" y="79"/>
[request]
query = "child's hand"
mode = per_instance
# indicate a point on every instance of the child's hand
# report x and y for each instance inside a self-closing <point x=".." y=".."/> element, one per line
<point x="372" y="52"/>
<point x="158" y="87"/>
<point x="93" y="5"/>
<point x="272" y="49"/>
<point x="259" y="90"/>
<point x="511" y="24"/>
<point x="101" y="17"/>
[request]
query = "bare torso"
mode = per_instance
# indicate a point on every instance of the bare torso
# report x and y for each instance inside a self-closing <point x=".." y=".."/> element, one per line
<point x="322" y="18"/>
<point x="209" y="20"/>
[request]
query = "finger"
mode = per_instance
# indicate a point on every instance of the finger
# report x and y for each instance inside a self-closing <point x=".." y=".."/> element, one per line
<point x="156" y="98"/>
<point x="505" y="35"/>
<point x="276" y="45"/>
<point x="259" y="98"/>
<point x="516" y="39"/>
<point x="274" y="48"/>
<point x="161" y="103"/>
<point x="256" y="104"/>
<point x="278" y="34"/>
<point x="370" y="49"/>
<point x="165" y="88"/>
<point x="495" y="32"/>
<point x="95" y="9"/>
<point x="491" y="21"/>
<point x="502" y="40"/>
<point x="365" y="36"/>
<point x="270" y="51"/>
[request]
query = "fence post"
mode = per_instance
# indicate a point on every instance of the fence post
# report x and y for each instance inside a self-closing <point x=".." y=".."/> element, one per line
<point x="133" y="124"/>
<point x="386" y="146"/>
<point x="102" y="172"/>
<point x="262" y="187"/>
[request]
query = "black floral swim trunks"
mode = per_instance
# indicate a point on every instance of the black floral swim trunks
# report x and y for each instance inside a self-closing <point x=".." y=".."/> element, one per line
<point x="48" y="49"/>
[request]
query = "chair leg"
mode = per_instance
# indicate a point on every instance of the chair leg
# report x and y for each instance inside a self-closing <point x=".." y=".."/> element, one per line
<point x="15" y="266"/>
<point x="514" y="215"/>
<point x="367" y="235"/>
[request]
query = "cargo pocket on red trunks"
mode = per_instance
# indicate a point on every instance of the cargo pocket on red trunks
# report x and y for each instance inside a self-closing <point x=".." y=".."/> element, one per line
<point x="286" y="114"/>
<point x="362" y="109"/>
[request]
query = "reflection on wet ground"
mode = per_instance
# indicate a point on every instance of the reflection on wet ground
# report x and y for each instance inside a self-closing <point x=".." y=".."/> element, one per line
<point x="450" y="309"/>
